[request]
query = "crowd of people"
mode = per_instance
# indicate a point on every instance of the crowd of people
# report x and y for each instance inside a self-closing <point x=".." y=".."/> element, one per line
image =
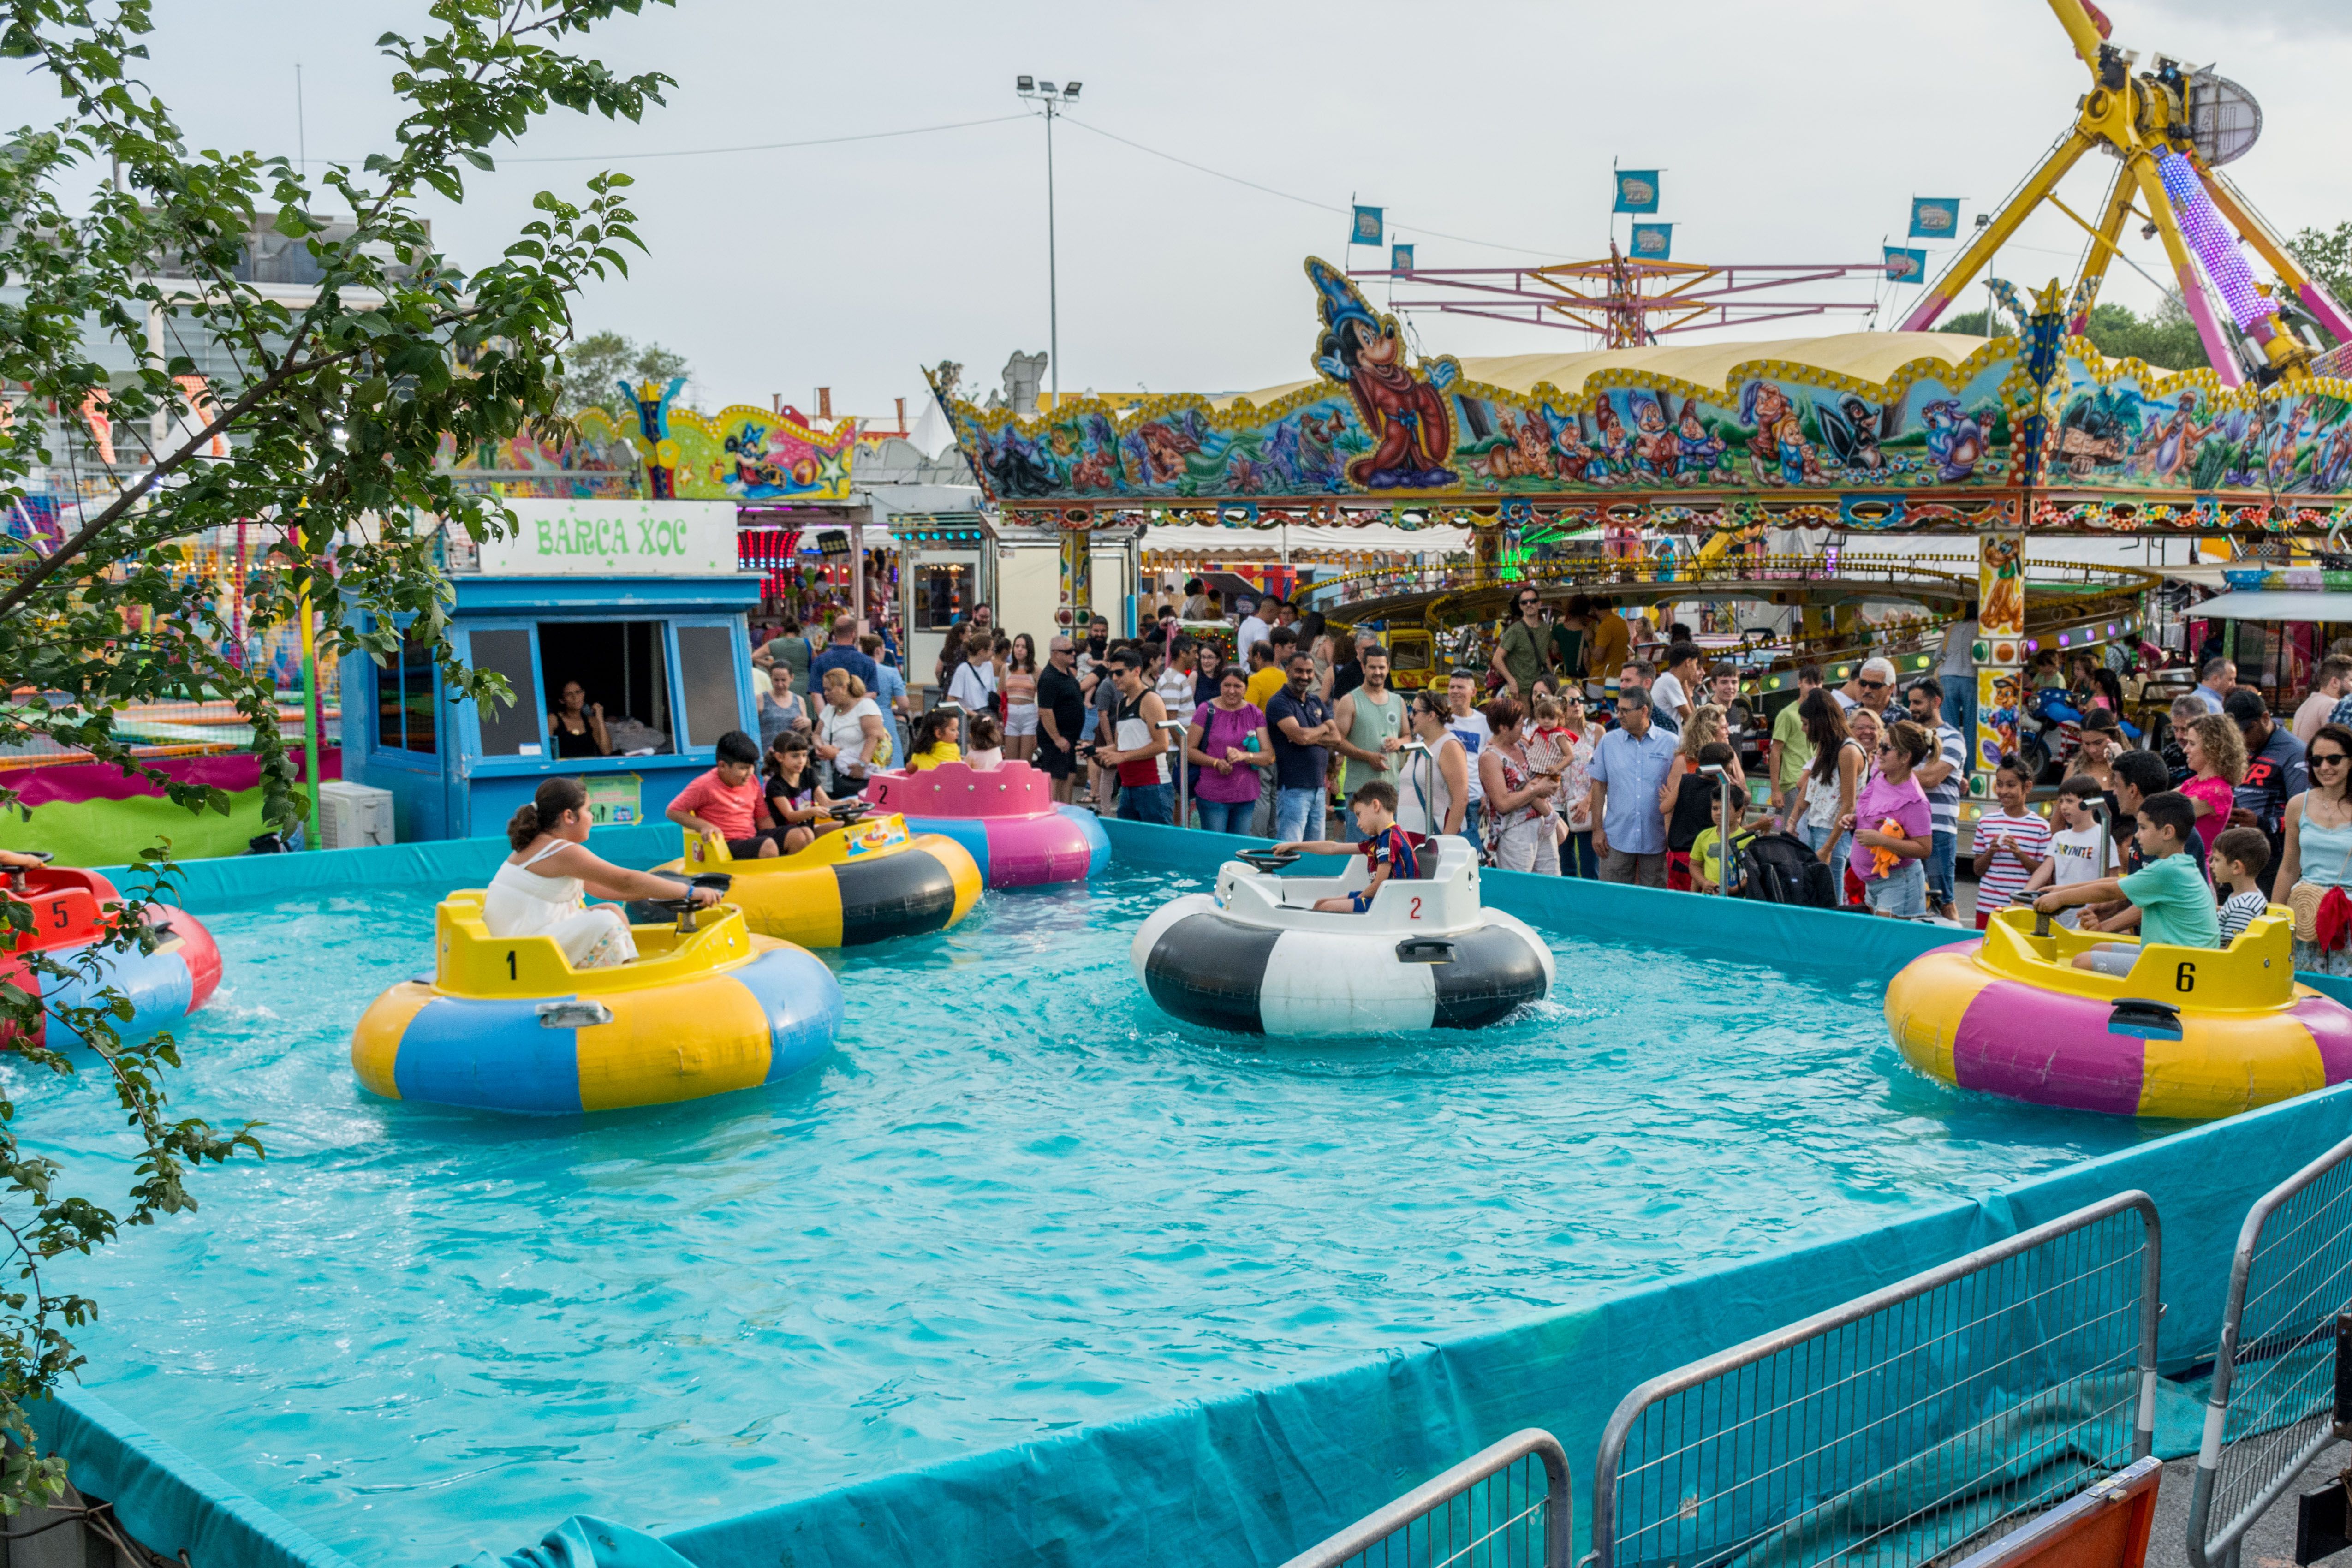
<point x="1523" y="759"/>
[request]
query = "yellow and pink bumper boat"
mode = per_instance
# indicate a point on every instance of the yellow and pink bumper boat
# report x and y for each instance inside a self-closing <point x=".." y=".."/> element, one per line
<point x="2191" y="1032"/>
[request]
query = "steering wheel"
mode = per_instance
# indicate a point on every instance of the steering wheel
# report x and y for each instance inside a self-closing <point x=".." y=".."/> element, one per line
<point x="852" y="810"/>
<point x="1267" y="859"/>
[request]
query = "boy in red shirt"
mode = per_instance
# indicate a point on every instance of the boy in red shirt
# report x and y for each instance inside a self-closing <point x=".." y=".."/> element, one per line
<point x="1388" y="846"/>
<point x="727" y="801"/>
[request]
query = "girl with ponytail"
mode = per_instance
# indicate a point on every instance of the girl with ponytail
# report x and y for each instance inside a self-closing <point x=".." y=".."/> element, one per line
<point x="541" y="889"/>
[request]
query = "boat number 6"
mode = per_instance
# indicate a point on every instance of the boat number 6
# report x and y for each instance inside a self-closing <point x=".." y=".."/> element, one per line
<point x="2185" y="977"/>
<point x="510" y="965"/>
<point x="1416" y="911"/>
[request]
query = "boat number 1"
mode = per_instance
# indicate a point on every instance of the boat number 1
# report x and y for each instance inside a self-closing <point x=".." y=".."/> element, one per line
<point x="1416" y="911"/>
<point x="2185" y="977"/>
<point x="510" y="963"/>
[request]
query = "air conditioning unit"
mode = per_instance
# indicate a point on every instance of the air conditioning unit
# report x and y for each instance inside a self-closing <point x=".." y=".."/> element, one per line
<point x="351" y="815"/>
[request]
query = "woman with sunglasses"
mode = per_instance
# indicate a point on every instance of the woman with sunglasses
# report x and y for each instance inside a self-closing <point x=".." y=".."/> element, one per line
<point x="2318" y="849"/>
<point x="1893" y="827"/>
<point x="1523" y="658"/>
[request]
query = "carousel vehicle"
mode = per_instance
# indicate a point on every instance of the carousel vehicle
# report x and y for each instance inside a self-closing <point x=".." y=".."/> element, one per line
<point x="1004" y="818"/>
<point x="1256" y="957"/>
<point x="2190" y="1032"/>
<point x="163" y="983"/>
<point x="507" y="1024"/>
<point x="868" y="880"/>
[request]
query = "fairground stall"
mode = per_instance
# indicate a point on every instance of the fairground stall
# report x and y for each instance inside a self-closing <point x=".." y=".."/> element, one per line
<point x="1034" y="576"/>
<point x="639" y="602"/>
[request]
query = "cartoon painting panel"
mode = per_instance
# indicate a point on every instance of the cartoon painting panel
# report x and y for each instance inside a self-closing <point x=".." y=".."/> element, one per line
<point x="2000" y="589"/>
<point x="2164" y="432"/>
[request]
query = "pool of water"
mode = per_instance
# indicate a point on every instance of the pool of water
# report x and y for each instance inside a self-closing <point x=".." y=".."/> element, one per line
<point x="1016" y="1200"/>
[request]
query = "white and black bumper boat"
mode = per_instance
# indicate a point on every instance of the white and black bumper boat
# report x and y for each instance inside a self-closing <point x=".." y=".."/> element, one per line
<point x="1256" y="958"/>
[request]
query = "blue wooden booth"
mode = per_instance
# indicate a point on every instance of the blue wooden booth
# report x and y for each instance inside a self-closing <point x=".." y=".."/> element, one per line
<point x="668" y="657"/>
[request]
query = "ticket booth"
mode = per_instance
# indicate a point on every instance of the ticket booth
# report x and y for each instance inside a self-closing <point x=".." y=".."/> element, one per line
<point x="638" y="602"/>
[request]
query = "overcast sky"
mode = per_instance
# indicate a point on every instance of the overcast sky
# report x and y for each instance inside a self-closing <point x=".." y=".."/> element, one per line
<point x="1794" y="132"/>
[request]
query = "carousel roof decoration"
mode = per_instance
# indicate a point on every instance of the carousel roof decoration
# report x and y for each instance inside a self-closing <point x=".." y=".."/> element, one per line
<point x="1903" y="432"/>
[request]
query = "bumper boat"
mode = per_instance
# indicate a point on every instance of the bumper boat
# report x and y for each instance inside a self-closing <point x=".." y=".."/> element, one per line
<point x="2190" y="1032"/>
<point x="163" y="984"/>
<point x="868" y="881"/>
<point x="1006" y="820"/>
<point x="508" y="1024"/>
<point x="1255" y="957"/>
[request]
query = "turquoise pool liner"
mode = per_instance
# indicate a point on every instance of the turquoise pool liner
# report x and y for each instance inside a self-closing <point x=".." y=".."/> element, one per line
<point x="1257" y="1476"/>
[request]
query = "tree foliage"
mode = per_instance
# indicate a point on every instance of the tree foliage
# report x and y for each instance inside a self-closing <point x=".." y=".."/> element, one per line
<point x="2326" y="254"/>
<point x="2165" y="338"/>
<point x="336" y="414"/>
<point x="595" y="367"/>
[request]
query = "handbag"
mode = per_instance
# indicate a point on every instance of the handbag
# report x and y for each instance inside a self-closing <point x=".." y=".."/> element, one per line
<point x="2305" y="898"/>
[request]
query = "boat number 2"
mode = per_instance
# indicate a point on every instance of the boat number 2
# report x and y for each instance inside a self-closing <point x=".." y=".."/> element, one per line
<point x="510" y="963"/>
<point x="1416" y="911"/>
<point x="2185" y="977"/>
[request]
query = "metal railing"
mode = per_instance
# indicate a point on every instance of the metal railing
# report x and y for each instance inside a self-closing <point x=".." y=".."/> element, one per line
<point x="2273" y="1406"/>
<point x="1905" y="1425"/>
<point x="1488" y="1511"/>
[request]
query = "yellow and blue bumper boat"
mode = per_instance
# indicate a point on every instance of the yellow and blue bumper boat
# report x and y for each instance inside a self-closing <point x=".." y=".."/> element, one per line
<point x="506" y="1023"/>
<point x="2190" y="1032"/>
<point x="867" y="881"/>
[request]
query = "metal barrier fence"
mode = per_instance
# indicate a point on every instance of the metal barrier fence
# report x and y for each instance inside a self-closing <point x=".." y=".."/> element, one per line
<point x="1504" y="1506"/>
<point x="2273" y="1406"/>
<point x="1907" y="1425"/>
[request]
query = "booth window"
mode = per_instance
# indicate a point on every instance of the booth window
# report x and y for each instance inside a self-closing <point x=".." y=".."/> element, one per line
<point x="510" y="730"/>
<point x="406" y="692"/>
<point x="625" y="666"/>
<point x="705" y="671"/>
<point x="942" y="590"/>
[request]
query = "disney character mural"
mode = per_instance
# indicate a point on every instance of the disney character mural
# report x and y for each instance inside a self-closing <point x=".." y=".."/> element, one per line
<point x="1404" y="410"/>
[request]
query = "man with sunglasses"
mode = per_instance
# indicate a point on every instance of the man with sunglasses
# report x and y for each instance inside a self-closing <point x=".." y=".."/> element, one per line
<point x="1872" y="687"/>
<point x="1524" y="655"/>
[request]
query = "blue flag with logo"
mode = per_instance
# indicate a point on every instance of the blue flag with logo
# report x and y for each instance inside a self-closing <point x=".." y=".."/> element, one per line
<point x="1400" y="258"/>
<point x="1905" y="266"/>
<point x="1652" y="241"/>
<point x="1935" y="217"/>
<point x="1368" y="226"/>
<point x="1637" y="191"/>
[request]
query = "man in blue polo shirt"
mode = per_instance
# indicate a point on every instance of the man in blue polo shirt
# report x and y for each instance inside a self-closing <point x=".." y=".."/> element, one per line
<point x="1628" y="770"/>
<point x="842" y="653"/>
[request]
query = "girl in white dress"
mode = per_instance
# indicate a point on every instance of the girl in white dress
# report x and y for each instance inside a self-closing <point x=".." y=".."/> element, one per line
<point x="539" y="889"/>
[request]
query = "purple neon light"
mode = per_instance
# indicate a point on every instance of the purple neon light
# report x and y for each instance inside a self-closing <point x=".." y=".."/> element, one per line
<point x="2215" y="246"/>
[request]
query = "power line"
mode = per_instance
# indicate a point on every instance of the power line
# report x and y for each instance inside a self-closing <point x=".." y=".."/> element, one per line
<point x="1287" y="196"/>
<point x="766" y="146"/>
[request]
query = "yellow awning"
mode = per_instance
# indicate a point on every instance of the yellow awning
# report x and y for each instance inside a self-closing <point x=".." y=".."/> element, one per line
<point x="1868" y="356"/>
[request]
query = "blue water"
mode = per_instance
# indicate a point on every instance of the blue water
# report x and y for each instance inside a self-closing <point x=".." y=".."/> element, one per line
<point x="1016" y="1200"/>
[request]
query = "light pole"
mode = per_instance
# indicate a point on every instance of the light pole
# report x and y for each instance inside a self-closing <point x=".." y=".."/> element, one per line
<point x="1055" y="99"/>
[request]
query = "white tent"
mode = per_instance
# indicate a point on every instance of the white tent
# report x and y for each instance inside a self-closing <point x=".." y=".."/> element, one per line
<point x="1321" y="541"/>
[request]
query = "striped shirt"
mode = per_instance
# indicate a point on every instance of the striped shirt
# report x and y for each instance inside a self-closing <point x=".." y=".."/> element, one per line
<point x="2006" y="874"/>
<point x="2238" y="909"/>
<point x="1944" y="800"/>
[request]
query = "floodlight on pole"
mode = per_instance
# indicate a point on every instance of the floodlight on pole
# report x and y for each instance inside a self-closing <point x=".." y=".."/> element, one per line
<point x="1054" y="99"/>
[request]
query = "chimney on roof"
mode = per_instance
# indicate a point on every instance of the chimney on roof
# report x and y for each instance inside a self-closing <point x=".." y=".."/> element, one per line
<point x="825" y="402"/>
<point x="902" y="414"/>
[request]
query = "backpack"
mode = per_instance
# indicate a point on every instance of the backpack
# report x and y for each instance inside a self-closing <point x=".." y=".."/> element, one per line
<point x="1783" y="870"/>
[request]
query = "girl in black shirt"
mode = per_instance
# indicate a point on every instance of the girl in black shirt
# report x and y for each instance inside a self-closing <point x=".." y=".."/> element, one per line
<point x="794" y="803"/>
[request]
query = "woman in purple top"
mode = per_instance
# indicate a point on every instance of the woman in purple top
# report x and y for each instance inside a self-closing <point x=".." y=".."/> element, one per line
<point x="1230" y="748"/>
<point x="1893" y="827"/>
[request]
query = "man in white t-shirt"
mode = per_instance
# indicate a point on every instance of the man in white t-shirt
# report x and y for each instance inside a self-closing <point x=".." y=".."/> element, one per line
<point x="1670" y="699"/>
<point x="1470" y="726"/>
<point x="2335" y="684"/>
<point x="1253" y="631"/>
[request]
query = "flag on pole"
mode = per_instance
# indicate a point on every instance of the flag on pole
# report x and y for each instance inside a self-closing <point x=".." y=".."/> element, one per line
<point x="1905" y="266"/>
<point x="1935" y="217"/>
<point x="1400" y="258"/>
<point x="1637" y="191"/>
<point x="1652" y="241"/>
<point x="1368" y="226"/>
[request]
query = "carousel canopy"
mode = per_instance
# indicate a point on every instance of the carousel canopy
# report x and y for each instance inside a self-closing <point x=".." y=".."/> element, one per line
<point x="1307" y="539"/>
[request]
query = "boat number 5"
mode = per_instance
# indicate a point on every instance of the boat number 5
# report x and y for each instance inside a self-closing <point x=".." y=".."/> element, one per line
<point x="64" y="916"/>
<point x="1416" y="911"/>
<point x="2185" y="977"/>
<point x="510" y="965"/>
